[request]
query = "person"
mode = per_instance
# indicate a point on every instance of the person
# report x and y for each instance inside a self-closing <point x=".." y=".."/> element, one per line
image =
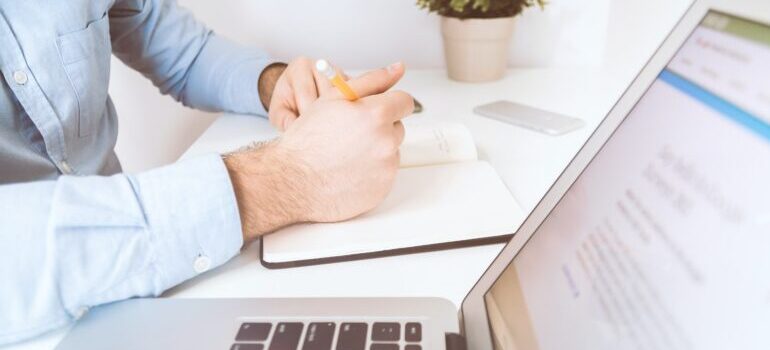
<point x="75" y="232"/>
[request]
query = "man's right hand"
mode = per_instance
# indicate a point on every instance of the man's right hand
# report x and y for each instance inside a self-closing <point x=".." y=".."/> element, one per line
<point x="337" y="161"/>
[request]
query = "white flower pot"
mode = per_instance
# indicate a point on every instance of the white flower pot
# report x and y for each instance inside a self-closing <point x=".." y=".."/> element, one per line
<point x="476" y="50"/>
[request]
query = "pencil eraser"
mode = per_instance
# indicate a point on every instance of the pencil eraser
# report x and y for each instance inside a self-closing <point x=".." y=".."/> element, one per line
<point x="324" y="68"/>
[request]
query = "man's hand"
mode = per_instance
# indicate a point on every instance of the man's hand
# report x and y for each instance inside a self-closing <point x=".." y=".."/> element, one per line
<point x="337" y="161"/>
<point x="288" y="90"/>
<point x="267" y="82"/>
<point x="291" y="89"/>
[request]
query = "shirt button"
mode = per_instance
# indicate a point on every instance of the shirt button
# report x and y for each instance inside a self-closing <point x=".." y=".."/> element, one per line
<point x="65" y="167"/>
<point x="81" y="311"/>
<point x="20" y="77"/>
<point x="202" y="263"/>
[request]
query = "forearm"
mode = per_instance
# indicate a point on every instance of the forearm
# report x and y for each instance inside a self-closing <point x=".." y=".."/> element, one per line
<point x="270" y="186"/>
<point x="185" y="59"/>
<point x="226" y="77"/>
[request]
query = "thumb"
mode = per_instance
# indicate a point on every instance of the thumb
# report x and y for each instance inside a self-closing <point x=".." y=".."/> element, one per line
<point x="377" y="81"/>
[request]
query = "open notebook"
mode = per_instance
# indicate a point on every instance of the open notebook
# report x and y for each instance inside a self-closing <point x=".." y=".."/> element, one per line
<point x="443" y="197"/>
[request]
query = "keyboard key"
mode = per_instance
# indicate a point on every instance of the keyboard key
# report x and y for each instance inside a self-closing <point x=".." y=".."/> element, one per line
<point x="384" y="347"/>
<point x="247" y="347"/>
<point x="253" y="332"/>
<point x="319" y="336"/>
<point x="413" y="332"/>
<point x="352" y="336"/>
<point x="286" y="336"/>
<point x="386" y="331"/>
<point x="413" y="347"/>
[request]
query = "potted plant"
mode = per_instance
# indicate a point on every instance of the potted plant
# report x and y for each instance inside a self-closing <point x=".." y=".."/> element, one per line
<point x="476" y="35"/>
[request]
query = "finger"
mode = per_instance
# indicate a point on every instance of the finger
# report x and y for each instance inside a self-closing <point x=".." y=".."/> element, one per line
<point x="279" y="109"/>
<point x="279" y="114"/>
<point x="399" y="132"/>
<point x="322" y="83"/>
<point x="287" y="121"/>
<point x="305" y="90"/>
<point x="378" y="80"/>
<point x="397" y="104"/>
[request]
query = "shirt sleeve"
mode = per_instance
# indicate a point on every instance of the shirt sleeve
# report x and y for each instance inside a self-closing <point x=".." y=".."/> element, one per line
<point x="185" y="59"/>
<point x="78" y="242"/>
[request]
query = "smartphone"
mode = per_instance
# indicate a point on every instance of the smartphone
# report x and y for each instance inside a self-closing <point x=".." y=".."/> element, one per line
<point x="529" y="117"/>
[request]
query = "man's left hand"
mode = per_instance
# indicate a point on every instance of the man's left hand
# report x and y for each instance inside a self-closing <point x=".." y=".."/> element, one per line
<point x="289" y="90"/>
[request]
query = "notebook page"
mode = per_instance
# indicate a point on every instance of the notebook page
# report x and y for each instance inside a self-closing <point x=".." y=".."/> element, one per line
<point x="428" y="205"/>
<point x="436" y="143"/>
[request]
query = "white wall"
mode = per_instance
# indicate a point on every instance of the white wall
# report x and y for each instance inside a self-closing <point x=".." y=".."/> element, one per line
<point x="356" y="34"/>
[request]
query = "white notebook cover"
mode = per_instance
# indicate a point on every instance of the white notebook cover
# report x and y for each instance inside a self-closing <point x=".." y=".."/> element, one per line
<point x="430" y="208"/>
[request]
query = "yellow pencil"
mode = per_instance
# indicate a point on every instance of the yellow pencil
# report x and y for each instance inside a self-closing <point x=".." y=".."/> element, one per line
<point x="337" y="80"/>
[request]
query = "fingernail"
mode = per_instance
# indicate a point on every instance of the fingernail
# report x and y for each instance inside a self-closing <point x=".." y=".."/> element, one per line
<point x="394" y="66"/>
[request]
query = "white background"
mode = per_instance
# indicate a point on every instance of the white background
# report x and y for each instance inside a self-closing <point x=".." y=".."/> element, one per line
<point x="155" y="130"/>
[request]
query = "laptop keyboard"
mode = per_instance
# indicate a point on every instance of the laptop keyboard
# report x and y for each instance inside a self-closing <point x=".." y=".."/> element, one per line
<point x="324" y="336"/>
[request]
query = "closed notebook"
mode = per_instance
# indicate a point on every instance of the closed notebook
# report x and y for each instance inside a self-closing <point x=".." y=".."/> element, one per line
<point x="443" y="197"/>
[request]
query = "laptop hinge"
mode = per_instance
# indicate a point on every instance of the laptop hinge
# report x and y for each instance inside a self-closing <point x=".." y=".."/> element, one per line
<point x="455" y="341"/>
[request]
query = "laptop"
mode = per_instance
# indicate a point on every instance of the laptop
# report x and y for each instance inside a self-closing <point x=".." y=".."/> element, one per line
<point x="656" y="236"/>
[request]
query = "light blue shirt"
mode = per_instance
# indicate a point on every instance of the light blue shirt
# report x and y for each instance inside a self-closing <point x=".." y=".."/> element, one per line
<point x="74" y="232"/>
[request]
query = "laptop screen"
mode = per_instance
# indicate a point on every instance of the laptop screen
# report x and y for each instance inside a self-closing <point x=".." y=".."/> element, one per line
<point x="663" y="242"/>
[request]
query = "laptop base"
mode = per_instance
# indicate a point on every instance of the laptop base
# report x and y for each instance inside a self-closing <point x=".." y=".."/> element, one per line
<point x="254" y="324"/>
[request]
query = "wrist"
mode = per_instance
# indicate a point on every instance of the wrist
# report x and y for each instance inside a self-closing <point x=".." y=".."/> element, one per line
<point x="268" y="189"/>
<point x="267" y="81"/>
